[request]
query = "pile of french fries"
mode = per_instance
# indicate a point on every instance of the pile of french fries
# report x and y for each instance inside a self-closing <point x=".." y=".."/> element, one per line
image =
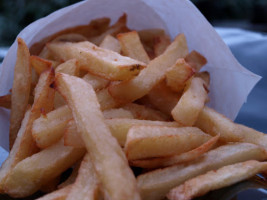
<point x="104" y="101"/>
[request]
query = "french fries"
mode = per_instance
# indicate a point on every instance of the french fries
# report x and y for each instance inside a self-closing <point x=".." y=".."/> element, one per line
<point x="98" y="105"/>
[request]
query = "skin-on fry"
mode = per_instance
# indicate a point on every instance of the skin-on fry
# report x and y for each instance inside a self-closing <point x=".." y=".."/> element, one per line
<point x="213" y="180"/>
<point x="102" y="62"/>
<point x="132" y="47"/>
<point x="111" y="43"/>
<point x="87" y="184"/>
<point x="213" y="123"/>
<point x="97" y="83"/>
<point x="155" y="141"/>
<point x="24" y="145"/>
<point x="140" y="85"/>
<point x="59" y="194"/>
<point x="156" y="184"/>
<point x="173" y="160"/>
<point x="31" y="173"/>
<point x="104" y="150"/>
<point x="39" y="64"/>
<point x="191" y="102"/>
<point x="5" y="101"/>
<point x="20" y="90"/>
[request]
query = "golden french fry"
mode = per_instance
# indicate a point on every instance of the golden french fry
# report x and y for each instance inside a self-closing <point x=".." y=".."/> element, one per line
<point x="160" y="44"/>
<point x="157" y="141"/>
<point x="140" y="85"/>
<point x="154" y="163"/>
<point x="39" y="64"/>
<point x="132" y="47"/>
<point x="111" y="43"/>
<point x="104" y="149"/>
<point x="97" y="83"/>
<point x="213" y="123"/>
<point x="156" y="184"/>
<point x="59" y="194"/>
<point x="213" y="180"/>
<point x="69" y="67"/>
<point x="5" y="101"/>
<point x="20" y="90"/>
<point x="117" y="113"/>
<point x="196" y="60"/>
<point x="24" y="145"/>
<point x="32" y="172"/>
<point x="191" y="102"/>
<point x="178" y="75"/>
<point x="87" y="184"/>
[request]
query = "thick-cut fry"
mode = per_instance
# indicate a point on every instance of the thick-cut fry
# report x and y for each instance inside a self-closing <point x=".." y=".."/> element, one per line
<point x="178" y="75"/>
<point x="117" y="113"/>
<point x="69" y="67"/>
<point x="104" y="150"/>
<point x="154" y="185"/>
<point x="24" y="145"/>
<point x="191" y="102"/>
<point x="196" y="60"/>
<point x="103" y="62"/>
<point x="5" y="101"/>
<point x="144" y="112"/>
<point x="111" y="43"/>
<point x="105" y="100"/>
<point x="31" y="173"/>
<point x="213" y="180"/>
<point x="139" y="86"/>
<point x="59" y="194"/>
<point x="97" y="83"/>
<point x="160" y="44"/>
<point x="87" y="183"/>
<point x="39" y="64"/>
<point x="173" y="160"/>
<point x="213" y="123"/>
<point x="155" y="141"/>
<point x="132" y="47"/>
<point x="20" y="90"/>
<point x="71" y="136"/>
<point x="49" y="128"/>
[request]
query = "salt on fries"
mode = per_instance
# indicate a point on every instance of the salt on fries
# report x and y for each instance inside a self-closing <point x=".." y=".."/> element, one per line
<point x="101" y="99"/>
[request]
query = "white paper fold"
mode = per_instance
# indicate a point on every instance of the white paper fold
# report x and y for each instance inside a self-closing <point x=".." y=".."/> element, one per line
<point x="230" y="82"/>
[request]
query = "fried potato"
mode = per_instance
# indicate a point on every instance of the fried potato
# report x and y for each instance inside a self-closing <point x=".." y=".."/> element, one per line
<point x="111" y="43"/>
<point x="104" y="149"/>
<point x="178" y="75"/>
<point x="117" y="113"/>
<point x="132" y="47"/>
<point x="140" y="85"/>
<point x="213" y="180"/>
<point x="191" y="102"/>
<point x="176" y="159"/>
<point x="5" y="101"/>
<point x="39" y="64"/>
<point x="24" y="145"/>
<point x="87" y="184"/>
<point x="70" y="67"/>
<point x="105" y="100"/>
<point x="97" y="83"/>
<point x="102" y="62"/>
<point x="156" y="141"/>
<point x="70" y="37"/>
<point x="160" y="44"/>
<point x="213" y="123"/>
<point x="31" y="173"/>
<point x="59" y="194"/>
<point x="196" y="60"/>
<point x="156" y="184"/>
<point x="20" y="90"/>
<point x="71" y="136"/>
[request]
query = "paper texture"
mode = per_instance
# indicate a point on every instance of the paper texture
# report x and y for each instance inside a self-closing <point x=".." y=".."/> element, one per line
<point x="230" y="82"/>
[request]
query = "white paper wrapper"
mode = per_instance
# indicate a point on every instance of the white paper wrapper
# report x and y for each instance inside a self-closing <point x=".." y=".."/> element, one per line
<point x="230" y="82"/>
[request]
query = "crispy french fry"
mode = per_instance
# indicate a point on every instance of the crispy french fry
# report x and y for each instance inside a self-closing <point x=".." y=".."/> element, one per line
<point x="97" y="83"/>
<point x="157" y="141"/>
<point x="213" y="123"/>
<point x="20" y="90"/>
<point x="69" y="67"/>
<point x="191" y="102"/>
<point x="24" y="145"/>
<point x="178" y="75"/>
<point x="5" y="101"/>
<point x="132" y="47"/>
<point x="59" y="194"/>
<point x="31" y="173"/>
<point x="96" y="135"/>
<point x="160" y="44"/>
<point x="154" y="163"/>
<point x="49" y="128"/>
<point x="39" y="64"/>
<point x="155" y="184"/>
<point x="87" y="183"/>
<point x="117" y="113"/>
<point x="213" y="180"/>
<point x="140" y="85"/>
<point x="102" y="62"/>
<point x="111" y="43"/>
<point x="196" y="60"/>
